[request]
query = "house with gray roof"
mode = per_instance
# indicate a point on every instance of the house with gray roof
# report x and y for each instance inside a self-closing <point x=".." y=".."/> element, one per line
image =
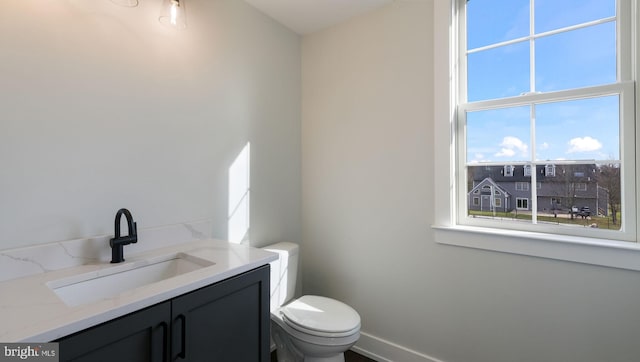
<point x="558" y="187"/>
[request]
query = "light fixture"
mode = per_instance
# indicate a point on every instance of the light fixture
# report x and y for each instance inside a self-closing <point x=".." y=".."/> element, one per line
<point x="173" y="14"/>
<point x="127" y="3"/>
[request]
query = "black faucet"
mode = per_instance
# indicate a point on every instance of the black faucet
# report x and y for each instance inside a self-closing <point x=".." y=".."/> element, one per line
<point x="117" y="253"/>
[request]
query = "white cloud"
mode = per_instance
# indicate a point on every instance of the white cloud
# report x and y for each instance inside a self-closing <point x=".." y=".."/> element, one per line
<point x="506" y="152"/>
<point x="584" y="144"/>
<point x="512" y="145"/>
<point x="478" y="157"/>
<point x="543" y="146"/>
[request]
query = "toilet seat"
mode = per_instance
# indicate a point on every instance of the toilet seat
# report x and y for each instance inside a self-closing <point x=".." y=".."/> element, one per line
<point x="321" y="316"/>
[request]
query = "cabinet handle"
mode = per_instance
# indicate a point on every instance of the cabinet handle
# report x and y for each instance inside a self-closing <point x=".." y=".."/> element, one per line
<point x="181" y="322"/>
<point x="159" y="342"/>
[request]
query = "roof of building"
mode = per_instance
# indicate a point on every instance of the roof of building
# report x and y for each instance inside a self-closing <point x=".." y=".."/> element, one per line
<point x="563" y="173"/>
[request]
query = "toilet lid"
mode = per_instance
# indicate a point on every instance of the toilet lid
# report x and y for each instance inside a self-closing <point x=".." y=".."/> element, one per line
<point x="321" y="314"/>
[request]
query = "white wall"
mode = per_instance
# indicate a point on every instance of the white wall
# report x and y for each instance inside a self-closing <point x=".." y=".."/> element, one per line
<point x="368" y="179"/>
<point x="102" y="108"/>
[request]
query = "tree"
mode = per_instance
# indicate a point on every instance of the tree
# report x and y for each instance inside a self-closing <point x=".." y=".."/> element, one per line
<point x="571" y="185"/>
<point x="609" y="178"/>
<point x="567" y="178"/>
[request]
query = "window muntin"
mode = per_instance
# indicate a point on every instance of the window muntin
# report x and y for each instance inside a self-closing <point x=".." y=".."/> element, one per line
<point x="601" y="99"/>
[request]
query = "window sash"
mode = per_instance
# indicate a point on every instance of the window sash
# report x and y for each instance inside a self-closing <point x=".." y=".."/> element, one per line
<point x="627" y="163"/>
<point x="625" y="28"/>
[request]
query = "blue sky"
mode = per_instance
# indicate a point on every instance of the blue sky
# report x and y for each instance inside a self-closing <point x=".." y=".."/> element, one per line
<point x="575" y="130"/>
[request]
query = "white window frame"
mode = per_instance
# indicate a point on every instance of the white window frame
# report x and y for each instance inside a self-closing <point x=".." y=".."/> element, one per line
<point x="580" y="186"/>
<point x="522" y="186"/>
<point x="624" y="88"/>
<point x="592" y="249"/>
<point x="522" y="200"/>
<point x="550" y="170"/>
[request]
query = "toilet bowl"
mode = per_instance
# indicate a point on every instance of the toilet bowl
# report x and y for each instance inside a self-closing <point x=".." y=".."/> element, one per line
<point x="310" y="328"/>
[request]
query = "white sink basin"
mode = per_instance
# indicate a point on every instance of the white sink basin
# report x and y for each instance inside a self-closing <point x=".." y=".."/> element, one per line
<point x="110" y="282"/>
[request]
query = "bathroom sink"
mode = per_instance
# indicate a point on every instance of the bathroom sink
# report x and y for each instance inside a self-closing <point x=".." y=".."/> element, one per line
<point x="114" y="280"/>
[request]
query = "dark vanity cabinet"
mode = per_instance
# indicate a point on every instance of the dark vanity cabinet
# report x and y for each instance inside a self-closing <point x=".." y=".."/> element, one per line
<point x="226" y="321"/>
<point x="140" y="336"/>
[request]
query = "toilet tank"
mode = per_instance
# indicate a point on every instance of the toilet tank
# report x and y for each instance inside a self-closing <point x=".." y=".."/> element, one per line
<point x="284" y="272"/>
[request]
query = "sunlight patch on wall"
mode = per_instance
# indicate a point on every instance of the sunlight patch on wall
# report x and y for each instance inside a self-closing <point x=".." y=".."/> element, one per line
<point x="239" y="200"/>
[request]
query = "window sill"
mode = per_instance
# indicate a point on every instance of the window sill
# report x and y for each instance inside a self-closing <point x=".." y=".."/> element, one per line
<point x="613" y="254"/>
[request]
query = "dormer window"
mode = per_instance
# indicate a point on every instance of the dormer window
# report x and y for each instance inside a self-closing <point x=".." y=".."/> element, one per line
<point x="550" y="170"/>
<point x="508" y="171"/>
<point x="527" y="170"/>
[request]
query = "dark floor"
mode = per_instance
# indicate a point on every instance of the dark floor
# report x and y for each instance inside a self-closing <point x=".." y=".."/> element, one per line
<point x="349" y="356"/>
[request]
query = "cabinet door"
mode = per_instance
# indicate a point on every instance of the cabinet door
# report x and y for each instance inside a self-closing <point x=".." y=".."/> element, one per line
<point x="228" y="321"/>
<point x="140" y="336"/>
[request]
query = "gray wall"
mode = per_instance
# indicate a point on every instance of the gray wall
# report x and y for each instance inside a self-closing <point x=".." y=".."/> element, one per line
<point x="102" y="108"/>
<point x="368" y="205"/>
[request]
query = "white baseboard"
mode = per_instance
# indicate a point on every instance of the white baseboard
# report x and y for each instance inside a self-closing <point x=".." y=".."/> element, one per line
<point x="384" y="351"/>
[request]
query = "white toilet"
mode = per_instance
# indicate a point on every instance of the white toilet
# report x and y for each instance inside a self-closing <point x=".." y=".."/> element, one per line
<point x="310" y="328"/>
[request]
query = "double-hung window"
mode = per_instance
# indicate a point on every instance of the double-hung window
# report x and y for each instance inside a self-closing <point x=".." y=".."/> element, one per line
<point x="546" y="90"/>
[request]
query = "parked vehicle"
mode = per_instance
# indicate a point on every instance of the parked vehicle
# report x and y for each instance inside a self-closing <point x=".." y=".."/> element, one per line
<point x="584" y="212"/>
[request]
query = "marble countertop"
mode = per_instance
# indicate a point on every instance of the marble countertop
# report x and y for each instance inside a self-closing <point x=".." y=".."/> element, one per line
<point x="30" y="311"/>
